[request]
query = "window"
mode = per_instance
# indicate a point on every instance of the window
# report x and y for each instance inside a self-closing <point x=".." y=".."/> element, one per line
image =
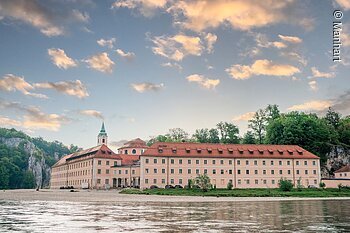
<point x="197" y="161"/>
<point x="147" y="160"/>
<point x="230" y="171"/>
<point x="272" y="172"/>
<point x="189" y="171"/>
<point x="247" y="162"/>
<point x="172" y="181"/>
<point x="281" y="172"/>
<point x="107" y="162"/>
<point x="163" y="161"/>
<point x="221" y="162"/>
<point x="306" y="172"/>
<point x="314" y="163"/>
<point x="205" y="171"/>
<point x="155" y="160"/>
<point x="247" y="172"/>
<point x="238" y="172"/>
<point x="239" y="181"/>
<point x="213" y="161"/>
<point x="172" y="161"/>
<point x="197" y="171"/>
<point x="120" y="172"/>
<point x="172" y="171"/>
<point x="271" y="162"/>
<point x="247" y="181"/>
<point x="115" y="163"/>
<point x="256" y="181"/>
<point x="238" y="162"/>
<point x="273" y="181"/>
<point x="106" y="181"/>
<point x="107" y="171"/>
<point x="180" y="161"/>
<point x="230" y="162"/>
<point x="180" y="181"/>
<point x="99" y="181"/>
<point x="99" y="162"/>
<point x="288" y="163"/>
<point x="126" y="152"/>
<point x="163" y="181"/>
<point x="189" y="161"/>
<point x="256" y="172"/>
<point x="305" y="163"/>
<point x="314" y="171"/>
<point x="264" y="181"/>
<point x="288" y="172"/>
<point x="205" y="161"/>
<point x="133" y="151"/>
<point x="163" y="170"/>
<point x="315" y="181"/>
<point x="264" y="162"/>
<point x="98" y="171"/>
<point x="214" y="171"/>
<point x="146" y="181"/>
<point x="222" y="171"/>
<point x="154" y="181"/>
<point x="147" y="170"/>
<point x="280" y="163"/>
<point x="155" y="170"/>
<point x="255" y="162"/>
<point x="133" y="172"/>
<point x="297" y="172"/>
<point x="297" y="163"/>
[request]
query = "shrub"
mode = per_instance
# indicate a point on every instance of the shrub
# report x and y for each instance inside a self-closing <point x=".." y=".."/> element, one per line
<point x="322" y="185"/>
<point x="285" y="185"/>
<point x="229" y="185"/>
<point x="299" y="185"/>
<point x="189" y="184"/>
<point x="203" y="182"/>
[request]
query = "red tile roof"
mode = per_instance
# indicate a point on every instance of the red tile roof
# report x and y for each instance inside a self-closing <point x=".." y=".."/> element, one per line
<point x="101" y="151"/>
<point x="128" y="160"/>
<point x="228" y="151"/>
<point x="136" y="143"/>
<point x="343" y="169"/>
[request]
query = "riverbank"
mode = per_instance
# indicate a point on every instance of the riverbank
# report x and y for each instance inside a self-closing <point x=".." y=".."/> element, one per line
<point x="305" y="192"/>
<point x="116" y="196"/>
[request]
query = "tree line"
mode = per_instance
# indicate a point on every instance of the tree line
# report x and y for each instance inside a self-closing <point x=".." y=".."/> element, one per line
<point x="317" y="134"/>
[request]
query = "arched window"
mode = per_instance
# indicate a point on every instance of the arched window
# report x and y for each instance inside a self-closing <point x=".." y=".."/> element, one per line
<point x="103" y="140"/>
<point x="133" y="151"/>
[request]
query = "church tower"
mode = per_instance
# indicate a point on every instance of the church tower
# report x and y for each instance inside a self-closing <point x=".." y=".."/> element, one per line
<point x="102" y="136"/>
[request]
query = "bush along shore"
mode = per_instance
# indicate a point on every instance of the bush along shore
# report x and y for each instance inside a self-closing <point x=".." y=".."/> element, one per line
<point x="201" y="186"/>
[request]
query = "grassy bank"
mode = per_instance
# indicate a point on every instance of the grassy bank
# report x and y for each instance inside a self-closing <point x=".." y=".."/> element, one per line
<point x="243" y="192"/>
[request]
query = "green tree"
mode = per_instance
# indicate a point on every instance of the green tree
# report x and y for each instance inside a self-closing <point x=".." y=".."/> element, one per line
<point x="214" y="136"/>
<point x="28" y="180"/>
<point x="258" y="124"/>
<point x="4" y="176"/>
<point x="228" y="132"/>
<point x="344" y="132"/>
<point x="285" y="185"/>
<point x="333" y="118"/>
<point x="201" y="135"/>
<point x="203" y="182"/>
<point x="178" y="135"/>
<point x="248" y="138"/>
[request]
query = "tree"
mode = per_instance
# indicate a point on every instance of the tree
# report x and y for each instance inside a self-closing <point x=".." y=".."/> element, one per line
<point x="258" y="125"/>
<point x="203" y="182"/>
<point x="229" y="185"/>
<point x="285" y="185"/>
<point x="333" y="118"/>
<point x="4" y="176"/>
<point x="248" y="138"/>
<point x="228" y="132"/>
<point x="214" y="136"/>
<point x="201" y="135"/>
<point x="344" y="132"/>
<point x="28" y="180"/>
<point x="272" y="112"/>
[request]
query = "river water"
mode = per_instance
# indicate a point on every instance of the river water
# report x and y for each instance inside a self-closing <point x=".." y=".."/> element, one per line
<point x="271" y="216"/>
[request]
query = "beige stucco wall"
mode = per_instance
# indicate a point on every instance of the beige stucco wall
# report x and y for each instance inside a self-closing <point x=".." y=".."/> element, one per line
<point x="333" y="183"/>
<point x="130" y="150"/>
<point x="161" y="171"/>
<point x="126" y="176"/>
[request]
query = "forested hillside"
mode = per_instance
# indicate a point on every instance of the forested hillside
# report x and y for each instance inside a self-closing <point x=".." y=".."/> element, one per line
<point x="25" y="161"/>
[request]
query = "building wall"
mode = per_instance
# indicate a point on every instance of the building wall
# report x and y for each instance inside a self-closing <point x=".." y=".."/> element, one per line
<point x="126" y="176"/>
<point x="131" y="151"/>
<point x="342" y="175"/>
<point x="243" y="173"/>
<point x="333" y="183"/>
<point x="59" y="177"/>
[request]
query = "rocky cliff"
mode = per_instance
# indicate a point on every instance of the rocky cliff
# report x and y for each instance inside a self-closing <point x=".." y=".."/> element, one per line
<point x="339" y="157"/>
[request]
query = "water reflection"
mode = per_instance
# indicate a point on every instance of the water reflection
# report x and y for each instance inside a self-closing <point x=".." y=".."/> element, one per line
<point x="275" y="216"/>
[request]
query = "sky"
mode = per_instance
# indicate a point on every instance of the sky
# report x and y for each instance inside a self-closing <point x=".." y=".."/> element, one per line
<point x="145" y="66"/>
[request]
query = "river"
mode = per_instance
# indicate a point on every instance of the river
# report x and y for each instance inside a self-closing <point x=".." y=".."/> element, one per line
<point x="252" y="216"/>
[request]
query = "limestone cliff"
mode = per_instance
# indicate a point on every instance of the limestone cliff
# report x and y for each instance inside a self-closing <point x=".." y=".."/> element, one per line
<point x="339" y="157"/>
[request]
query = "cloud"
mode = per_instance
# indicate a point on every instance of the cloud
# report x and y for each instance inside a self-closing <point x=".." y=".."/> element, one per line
<point x="101" y="62"/>
<point x="177" y="47"/>
<point x="295" y="57"/>
<point x="145" y="7"/>
<point x="74" y="88"/>
<point x="291" y="39"/>
<point x="203" y="81"/>
<point x="106" y="43"/>
<point x="143" y="87"/>
<point x="261" y="67"/>
<point x="172" y="64"/>
<point x="9" y="122"/>
<point x="210" y="39"/>
<point x="80" y="16"/>
<point x="34" y="118"/>
<point x="60" y="59"/>
<point x="11" y="82"/>
<point x="313" y="85"/>
<point x="315" y="105"/>
<point x="318" y="74"/>
<point x="240" y="14"/>
<point x="128" y="56"/>
<point x="92" y="113"/>
<point x="244" y="117"/>
<point x="345" y="4"/>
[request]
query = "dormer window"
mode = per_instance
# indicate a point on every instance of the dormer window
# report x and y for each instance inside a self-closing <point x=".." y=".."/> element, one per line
<point x="188" y="150"/>
<point x="220" y="150"/>
<point x="199" y="150"/>
<point x="209" y="150"/>
<point x="174" y="150"/>
<point x="160" y="150"/>
<point x="230" y="150"/>
<point x="103" y="152"/>
<point x="280" y="151"/>
<point x="270" y="151"/>
<point x="261" y="151"/>
<point x="240" y="151"/>
<point x="251" y="151"/>
<point x="290" y="152"/>
<point x="300" y="152"/>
